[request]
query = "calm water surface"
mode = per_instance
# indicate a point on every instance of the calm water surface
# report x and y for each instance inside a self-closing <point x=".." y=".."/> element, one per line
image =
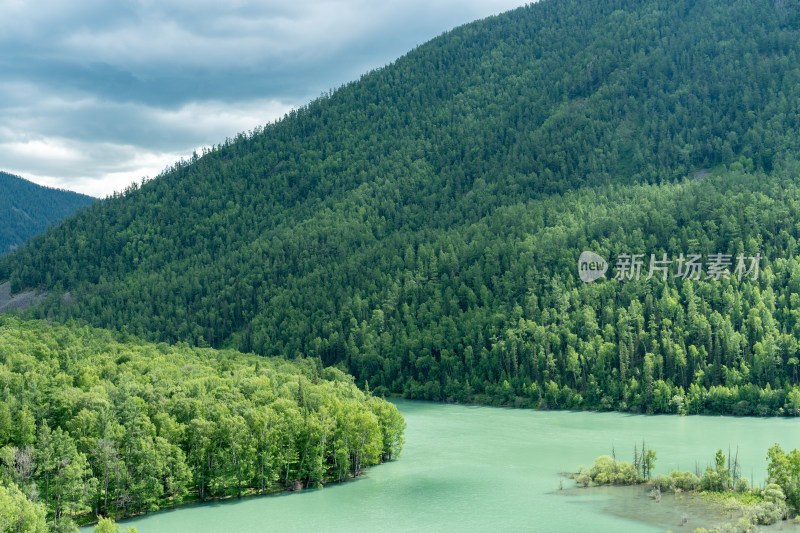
<point x="491" y="469"/>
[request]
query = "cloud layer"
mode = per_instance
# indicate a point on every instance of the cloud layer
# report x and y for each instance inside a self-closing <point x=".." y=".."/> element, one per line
<point x="97" y="94"/>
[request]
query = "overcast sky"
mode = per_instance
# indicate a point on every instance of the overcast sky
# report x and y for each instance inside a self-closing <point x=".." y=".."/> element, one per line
<point x="98" y="93"/>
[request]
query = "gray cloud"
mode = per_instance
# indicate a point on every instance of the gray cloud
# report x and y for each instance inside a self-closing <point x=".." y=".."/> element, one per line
<point x="96" y="94"/>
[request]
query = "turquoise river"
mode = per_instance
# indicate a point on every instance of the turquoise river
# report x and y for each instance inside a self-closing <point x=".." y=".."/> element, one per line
<point x="490" y="469"/>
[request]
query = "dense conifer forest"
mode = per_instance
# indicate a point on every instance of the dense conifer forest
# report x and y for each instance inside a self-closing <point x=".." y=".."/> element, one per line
<point x="27" y="209"/>
<point x="98" y="423"/>
<point x="421" y="227"/>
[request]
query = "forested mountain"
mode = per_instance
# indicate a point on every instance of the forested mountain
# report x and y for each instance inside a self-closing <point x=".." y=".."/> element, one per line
<point x="27" y="209"/>
<point x="102" y="424"/>
<point x="421" y="227"/>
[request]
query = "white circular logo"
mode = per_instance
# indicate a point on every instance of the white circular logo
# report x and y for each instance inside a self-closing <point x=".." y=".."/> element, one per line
<point x="591" y="266"/>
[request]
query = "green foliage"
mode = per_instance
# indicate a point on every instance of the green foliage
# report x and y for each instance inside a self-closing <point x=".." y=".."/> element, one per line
<point x="680" y="480"/>
<point x="784" y="472"/>
<point x="27" y="209"/>
<point x="719" y="483"/>
<point x="18" y="513"/>
<point x="107" y="525"/>
<point x="609" y="471"/>
<point x="769" y="512"/>
<point x="751" y="513"/>
<point x="606" y="470"/>
<point x="717" y="478"/>
<point x="421" y="227"/>
<point x="112" y="428"/>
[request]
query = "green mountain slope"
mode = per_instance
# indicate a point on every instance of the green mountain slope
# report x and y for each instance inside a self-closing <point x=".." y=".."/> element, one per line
<point x="27" y="209"/>
<point x="422" y="226"/>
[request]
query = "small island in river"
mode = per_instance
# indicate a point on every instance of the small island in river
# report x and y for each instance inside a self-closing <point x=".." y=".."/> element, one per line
<point x="720" y="490"/>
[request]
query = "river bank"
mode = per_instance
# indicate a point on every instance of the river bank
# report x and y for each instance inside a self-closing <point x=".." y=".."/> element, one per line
<point x="685" y="511"/>
<point x="85" y="522"/>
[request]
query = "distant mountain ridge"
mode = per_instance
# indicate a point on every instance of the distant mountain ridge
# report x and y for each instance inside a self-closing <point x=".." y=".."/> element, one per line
<point x="421" y="227"/>
<point x="27" y="209"/>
